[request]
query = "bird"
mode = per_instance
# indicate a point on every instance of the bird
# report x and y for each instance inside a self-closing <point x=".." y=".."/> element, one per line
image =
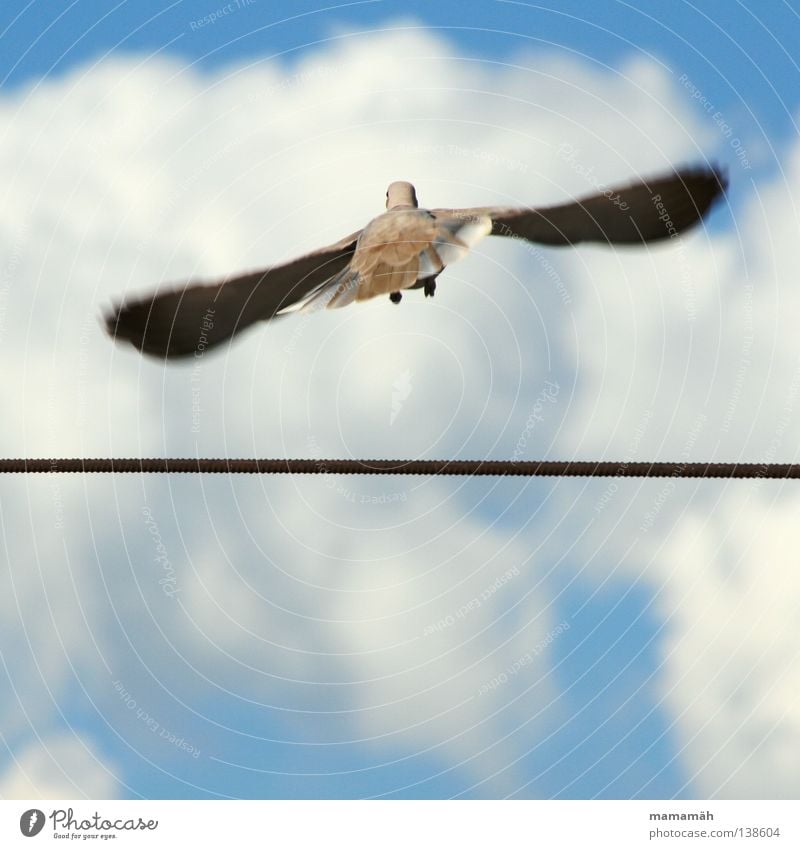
<point x="406" y="247"/>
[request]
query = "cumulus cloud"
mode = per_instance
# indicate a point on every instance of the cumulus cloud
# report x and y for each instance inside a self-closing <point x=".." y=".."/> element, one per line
<point x="732" y="650"/>
<point x="58" y="767"/>
<point x="399" y="619"/>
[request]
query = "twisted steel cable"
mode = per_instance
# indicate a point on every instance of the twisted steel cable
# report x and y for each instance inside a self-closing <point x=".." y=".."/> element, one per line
<point x="493" y="468"/>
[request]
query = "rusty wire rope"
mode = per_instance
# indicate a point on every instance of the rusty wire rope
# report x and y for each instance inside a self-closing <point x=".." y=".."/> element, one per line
<point x="493" y="468"/>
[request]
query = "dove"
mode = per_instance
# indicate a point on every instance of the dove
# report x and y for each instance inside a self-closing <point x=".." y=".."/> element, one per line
<point x="404" y="248"/>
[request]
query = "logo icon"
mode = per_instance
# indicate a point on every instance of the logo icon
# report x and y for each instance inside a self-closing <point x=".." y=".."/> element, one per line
<point x="401" y="389"/>
<point x="31" y="822"/>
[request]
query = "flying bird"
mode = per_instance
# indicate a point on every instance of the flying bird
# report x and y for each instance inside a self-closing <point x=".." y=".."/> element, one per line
<point x="404" y="248"/>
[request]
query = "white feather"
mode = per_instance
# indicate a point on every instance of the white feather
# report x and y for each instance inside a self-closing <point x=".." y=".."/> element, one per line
<point x="456" y="237"/>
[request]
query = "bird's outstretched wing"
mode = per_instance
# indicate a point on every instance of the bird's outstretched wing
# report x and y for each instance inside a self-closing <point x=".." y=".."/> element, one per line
<point x="641" y="212"/>
<point x="187" y="320"/>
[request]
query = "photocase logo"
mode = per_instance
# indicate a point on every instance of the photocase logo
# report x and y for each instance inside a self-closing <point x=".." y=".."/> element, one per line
<point x="401" y="389"/>
<point x="31" y="822"/>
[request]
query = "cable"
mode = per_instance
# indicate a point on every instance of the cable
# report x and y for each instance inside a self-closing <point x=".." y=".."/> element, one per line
<point x="495" y="468"/>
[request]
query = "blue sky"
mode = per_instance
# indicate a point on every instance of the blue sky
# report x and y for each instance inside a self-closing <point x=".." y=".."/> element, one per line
<point x="742" y="54"/>
<point x="295" y="657"/>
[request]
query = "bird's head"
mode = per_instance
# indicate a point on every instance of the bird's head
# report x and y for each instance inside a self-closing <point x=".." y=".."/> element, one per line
<point x="401" y="194"/>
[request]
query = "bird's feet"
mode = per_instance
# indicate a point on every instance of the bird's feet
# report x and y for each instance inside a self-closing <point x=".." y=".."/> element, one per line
<point x="430" y="287"/>
<point x="396" y="297"/>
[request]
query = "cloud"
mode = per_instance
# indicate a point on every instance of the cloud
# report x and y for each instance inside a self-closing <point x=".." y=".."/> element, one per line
<point x="58" y="767"/>
<point x="731" y="657"/>
<point x="375" y="624"/>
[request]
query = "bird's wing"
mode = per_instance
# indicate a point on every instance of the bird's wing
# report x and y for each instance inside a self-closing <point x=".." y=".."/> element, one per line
<point x="641" y="212"/>
<point x="190" y="319"/>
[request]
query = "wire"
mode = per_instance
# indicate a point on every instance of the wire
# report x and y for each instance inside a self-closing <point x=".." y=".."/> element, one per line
<point x="495" y="468"/>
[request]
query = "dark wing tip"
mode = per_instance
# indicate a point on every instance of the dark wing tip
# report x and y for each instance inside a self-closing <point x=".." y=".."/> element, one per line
<point x="705" y="184"/>
<point x="125" y="322"/>
<point x="721" y="174"/>
<point x="187" y="321"/>
<point x="113" y="320"/>
<point x="689" y="194"/>
<point x="110" y="319"/>
<point x="154" y="325"/>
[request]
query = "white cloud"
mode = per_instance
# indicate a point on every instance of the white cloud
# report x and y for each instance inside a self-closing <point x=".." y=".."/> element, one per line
<point x="58" y="767"/>
<point x="732" y="654"/>
<point x="127" y="174"/>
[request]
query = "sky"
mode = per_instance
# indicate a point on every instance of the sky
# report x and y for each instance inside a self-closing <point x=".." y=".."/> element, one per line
<point x="350" y="637"/>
